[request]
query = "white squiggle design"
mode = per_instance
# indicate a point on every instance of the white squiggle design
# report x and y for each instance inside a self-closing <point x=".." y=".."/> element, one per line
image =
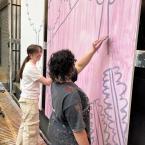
<point x="110" y="112"/>
<point x="116" y="102"/>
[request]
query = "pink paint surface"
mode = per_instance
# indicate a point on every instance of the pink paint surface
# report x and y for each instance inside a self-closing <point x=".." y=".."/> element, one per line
<point x="107" y="80"/>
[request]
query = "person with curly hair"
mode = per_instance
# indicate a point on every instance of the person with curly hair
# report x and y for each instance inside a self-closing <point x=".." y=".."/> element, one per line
<point x="69" y="121"/>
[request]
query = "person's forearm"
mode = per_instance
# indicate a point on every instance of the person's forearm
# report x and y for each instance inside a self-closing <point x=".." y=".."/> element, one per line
<point x="81" y="137"/>
<point x="45" y="81"/>
<point x="80" y="64"/>
<point x="83" y="61"/>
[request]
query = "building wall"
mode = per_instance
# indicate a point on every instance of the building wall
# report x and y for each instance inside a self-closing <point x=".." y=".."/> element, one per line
<point x="32" y="26"/>
<point x="5" y="23"/>
<point x="4" y="37"/>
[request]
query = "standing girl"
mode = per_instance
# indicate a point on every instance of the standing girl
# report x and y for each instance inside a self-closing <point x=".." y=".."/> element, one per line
<point x="30" y="83"/>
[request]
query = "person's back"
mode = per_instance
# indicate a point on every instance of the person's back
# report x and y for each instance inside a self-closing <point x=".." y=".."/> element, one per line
<point x="70" y="113"/>
<point x="67" y="125"/>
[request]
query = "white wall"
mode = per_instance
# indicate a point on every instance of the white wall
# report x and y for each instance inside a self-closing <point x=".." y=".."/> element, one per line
<point x="32" y="22"/>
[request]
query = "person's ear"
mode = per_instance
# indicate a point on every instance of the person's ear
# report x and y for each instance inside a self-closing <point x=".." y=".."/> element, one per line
<point x="30" y="55"/>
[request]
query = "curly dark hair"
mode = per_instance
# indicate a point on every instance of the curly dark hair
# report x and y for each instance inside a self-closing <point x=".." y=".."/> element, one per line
<point x="61" y="65"/>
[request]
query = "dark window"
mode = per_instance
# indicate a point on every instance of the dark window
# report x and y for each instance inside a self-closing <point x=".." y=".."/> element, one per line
<point x="141" y="35"/>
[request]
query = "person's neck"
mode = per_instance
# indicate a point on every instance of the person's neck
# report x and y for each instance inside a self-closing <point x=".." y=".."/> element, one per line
<point x="68" y="81"/>
<point x="32" y="61"/>
<point x="65" y="81"/>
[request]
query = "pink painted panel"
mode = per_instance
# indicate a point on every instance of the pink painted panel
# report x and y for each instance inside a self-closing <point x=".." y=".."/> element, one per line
<point x="107" y="80"/>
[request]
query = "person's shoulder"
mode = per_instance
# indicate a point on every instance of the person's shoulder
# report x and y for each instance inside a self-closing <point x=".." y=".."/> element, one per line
<point x="69" y="89"/>
<point x="65" y="89"/>
<point x="30" y="67"/>
<point x="72" y="92"/>
<point x="72" y="98"/>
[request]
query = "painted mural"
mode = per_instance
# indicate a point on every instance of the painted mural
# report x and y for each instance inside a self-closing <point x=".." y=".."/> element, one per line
<point x="107" y="80"/>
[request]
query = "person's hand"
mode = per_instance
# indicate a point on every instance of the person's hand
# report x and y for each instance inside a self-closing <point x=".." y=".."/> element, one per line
<point x="97" y="44"/>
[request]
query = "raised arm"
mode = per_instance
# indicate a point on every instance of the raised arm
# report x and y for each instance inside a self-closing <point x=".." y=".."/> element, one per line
<point x="85" y="59"/>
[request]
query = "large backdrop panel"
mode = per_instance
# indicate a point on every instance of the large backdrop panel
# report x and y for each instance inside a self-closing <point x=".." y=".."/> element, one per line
<point x="107" y="80"/>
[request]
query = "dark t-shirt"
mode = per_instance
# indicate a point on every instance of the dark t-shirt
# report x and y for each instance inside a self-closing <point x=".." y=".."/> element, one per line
<point x="70" y="113"/>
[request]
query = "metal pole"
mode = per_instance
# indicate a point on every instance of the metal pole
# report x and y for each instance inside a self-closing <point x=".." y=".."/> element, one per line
<point x="10" y="44"/>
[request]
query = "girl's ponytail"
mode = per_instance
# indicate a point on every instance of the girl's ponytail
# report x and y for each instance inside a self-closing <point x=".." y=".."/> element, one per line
<point x="22" y="67"/>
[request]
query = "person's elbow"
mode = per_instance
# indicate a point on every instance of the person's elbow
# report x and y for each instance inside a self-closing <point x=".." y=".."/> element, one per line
<point x="78" y="67"/>
<point x="81" y="137"/>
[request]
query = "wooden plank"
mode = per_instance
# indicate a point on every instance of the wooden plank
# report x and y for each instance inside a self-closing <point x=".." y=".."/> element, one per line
<point x="9" y="124"/>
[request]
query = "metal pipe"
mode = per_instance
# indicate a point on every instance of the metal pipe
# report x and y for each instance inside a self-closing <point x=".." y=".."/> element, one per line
<point x="45" y="50"/>
<point x="19" y="33"/>
<point x="10" y="45"/>
<point x="16" y="53"/>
